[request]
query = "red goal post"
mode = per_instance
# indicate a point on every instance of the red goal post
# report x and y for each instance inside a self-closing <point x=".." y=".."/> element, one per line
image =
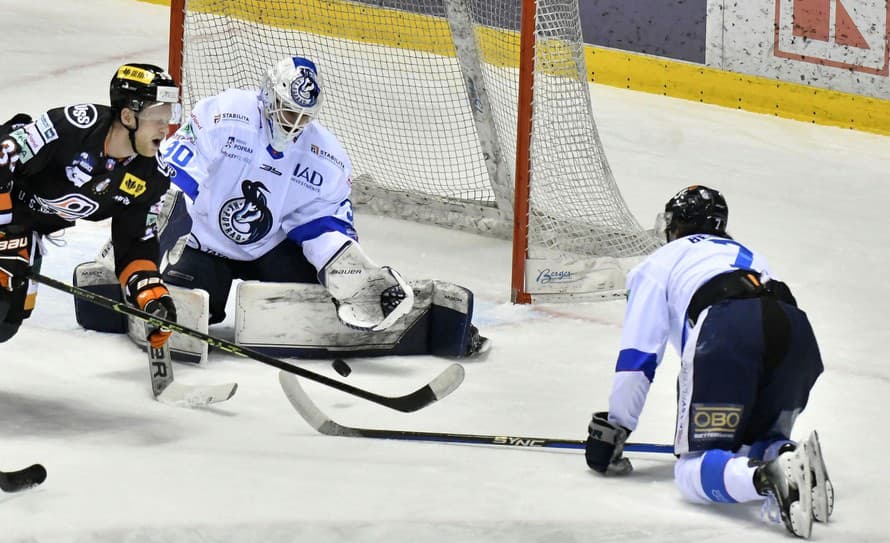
<point x="470" y="114"/>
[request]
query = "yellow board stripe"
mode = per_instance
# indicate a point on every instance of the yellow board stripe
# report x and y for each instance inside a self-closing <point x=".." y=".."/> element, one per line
<point x="738" y="91"/>
<point x="611" y="67"/>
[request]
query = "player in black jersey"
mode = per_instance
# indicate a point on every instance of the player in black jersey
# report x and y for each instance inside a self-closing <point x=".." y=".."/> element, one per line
<point x="88" y="161"/>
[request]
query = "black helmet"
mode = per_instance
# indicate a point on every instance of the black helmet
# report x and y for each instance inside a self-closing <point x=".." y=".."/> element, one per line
<point x="135" y="85"/>
<point x="696" y="210"/>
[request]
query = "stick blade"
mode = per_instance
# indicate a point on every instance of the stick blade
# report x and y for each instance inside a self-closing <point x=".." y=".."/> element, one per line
<point x="16" y="481"/>
<point x="181" y="395"/>
<point x="304" y="406"/>
<point x="447" y="382"/>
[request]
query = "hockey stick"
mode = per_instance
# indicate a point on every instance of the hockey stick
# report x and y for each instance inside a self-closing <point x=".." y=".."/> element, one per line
<point x="15" y="481"/>
<point x="168" y="391"/>
<point x="442" y="385"/>
<point x="325" y="425"/>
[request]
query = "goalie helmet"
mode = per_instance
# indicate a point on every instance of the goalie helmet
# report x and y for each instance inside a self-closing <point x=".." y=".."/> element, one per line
<point x="291" y="96"/>
<point x="695" y="210"/>
<point x="136" y="86"/>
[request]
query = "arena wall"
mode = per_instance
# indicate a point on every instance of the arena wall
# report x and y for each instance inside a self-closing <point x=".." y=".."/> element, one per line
<point x="818" y="61"/>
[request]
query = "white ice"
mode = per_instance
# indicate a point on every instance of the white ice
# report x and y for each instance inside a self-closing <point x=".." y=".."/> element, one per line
<point x="123" y="467"/>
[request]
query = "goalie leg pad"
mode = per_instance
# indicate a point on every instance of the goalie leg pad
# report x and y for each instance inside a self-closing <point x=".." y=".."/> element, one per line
<point x="191" y="308"/>
<point x="292" y="319"/>
<point x="192" y="311"/>
<point x="451" y="313"/>
<point x="97" y="278"/>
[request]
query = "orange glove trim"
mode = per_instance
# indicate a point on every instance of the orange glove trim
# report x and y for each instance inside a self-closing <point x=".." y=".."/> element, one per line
<point x="151" y="294"/>
<point x="159" y="337"/>
<point x="135" y="266"/>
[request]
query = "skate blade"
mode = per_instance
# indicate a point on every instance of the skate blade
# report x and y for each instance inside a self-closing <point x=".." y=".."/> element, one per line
<point x="800" y="512"/>
<point x="823" y="490"/>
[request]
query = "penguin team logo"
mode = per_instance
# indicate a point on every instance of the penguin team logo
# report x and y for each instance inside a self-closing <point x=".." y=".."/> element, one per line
<point x="248" y="219"/>
<point x="304" y="88"/>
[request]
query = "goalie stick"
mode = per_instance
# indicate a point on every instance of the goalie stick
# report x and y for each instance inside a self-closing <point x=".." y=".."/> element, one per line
<point x="442" y="385"/>
<point x="168" y="391"/>
<point x="325" y="425"/>
<point x="15" y="481"/>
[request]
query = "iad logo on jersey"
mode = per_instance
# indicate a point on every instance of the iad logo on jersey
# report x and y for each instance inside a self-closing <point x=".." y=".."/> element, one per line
<point x="848" y="34"/>
<point x="307" y="177"/>
<point x="133" y="185"/>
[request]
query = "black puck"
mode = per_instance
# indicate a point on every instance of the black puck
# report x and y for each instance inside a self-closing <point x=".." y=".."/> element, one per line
<point x="342" y="368"/>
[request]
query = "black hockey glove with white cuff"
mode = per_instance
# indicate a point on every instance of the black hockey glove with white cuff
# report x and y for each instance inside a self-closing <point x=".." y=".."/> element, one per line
<point x="605" y="446"/>
<point x="367" y="297"/>
<point x="16" y="246"/>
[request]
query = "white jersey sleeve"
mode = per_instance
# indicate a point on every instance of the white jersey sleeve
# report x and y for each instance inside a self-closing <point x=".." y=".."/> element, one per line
<point x="659" y="291"/>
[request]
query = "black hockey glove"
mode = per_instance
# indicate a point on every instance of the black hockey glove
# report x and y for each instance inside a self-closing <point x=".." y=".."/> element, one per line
<point x="15" y="256"/>
<point x="146" y="290"/>
<point x="605" y="446"/>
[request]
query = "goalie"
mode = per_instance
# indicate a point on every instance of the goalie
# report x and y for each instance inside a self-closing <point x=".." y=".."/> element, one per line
<point x="262" y="194"/>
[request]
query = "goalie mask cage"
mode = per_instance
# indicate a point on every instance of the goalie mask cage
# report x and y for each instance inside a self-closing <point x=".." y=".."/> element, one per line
<point x="461" y="113"/>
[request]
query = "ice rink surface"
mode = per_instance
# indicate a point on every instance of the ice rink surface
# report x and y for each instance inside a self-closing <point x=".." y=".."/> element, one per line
<point x="124" y="468"/>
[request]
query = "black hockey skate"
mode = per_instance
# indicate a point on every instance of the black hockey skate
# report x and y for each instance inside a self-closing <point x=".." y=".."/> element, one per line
<point x="823" y="490"/>
<point x="788" y="479"/>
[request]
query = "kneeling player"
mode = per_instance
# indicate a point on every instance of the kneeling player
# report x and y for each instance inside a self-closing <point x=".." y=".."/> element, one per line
<point x="265" y="197"/>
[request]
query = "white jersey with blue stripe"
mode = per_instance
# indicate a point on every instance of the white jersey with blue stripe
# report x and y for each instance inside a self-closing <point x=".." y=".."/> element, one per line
<point x="659" y="291"/>
<point x="244" y="197"/>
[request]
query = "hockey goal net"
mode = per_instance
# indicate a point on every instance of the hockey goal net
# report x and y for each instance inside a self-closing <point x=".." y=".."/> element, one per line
<point x="461" y="113"/>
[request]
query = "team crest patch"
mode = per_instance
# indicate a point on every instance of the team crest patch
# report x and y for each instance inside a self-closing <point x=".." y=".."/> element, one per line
<point x="248" y="219"/>
<point x="132" y="185"/>
<point x="70" y="206"/>
<point x="304" y="88"/>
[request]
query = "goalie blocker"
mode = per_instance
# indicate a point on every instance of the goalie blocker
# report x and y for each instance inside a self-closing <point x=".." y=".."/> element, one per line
<point x="299" y="320"/>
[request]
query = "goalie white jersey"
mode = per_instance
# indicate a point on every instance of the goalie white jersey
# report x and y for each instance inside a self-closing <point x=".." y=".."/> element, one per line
<point x="245" y="197"/>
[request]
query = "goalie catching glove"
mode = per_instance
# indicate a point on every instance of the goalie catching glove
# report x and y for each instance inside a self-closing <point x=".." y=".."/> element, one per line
<point x="368" y="297"/>
<point x="605" y="446"/>
<point x="144" y="288"/>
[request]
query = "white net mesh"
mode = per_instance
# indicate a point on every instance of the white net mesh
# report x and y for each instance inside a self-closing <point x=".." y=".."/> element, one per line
<point x="396" y="96"/>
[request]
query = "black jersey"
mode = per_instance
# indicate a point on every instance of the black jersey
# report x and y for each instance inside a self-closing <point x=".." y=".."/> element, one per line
<point x="64" y="175"/>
